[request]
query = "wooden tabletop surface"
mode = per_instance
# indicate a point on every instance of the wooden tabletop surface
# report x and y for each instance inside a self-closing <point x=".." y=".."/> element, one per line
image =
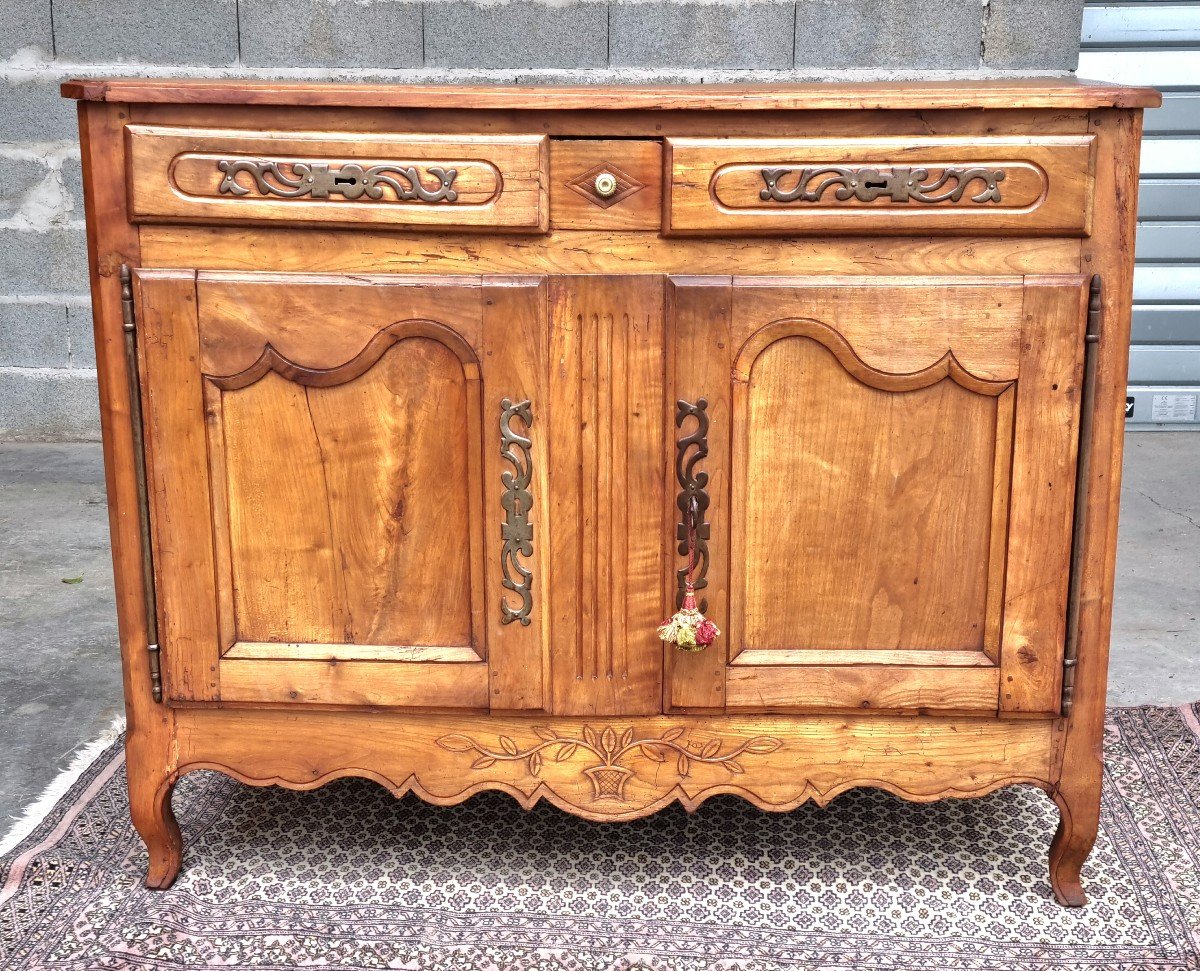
<point x="895" y="95"/>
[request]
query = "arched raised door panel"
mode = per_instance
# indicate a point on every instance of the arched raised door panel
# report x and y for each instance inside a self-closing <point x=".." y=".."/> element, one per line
<point x="336" y="531"/>
<point x="891" y="474"/>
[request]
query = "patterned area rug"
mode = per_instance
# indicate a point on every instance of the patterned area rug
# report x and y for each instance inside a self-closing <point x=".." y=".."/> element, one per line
<point x="348" y="878"/>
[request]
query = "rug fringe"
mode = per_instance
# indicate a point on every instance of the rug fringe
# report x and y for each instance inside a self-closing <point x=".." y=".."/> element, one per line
<point x="36" y="811"/>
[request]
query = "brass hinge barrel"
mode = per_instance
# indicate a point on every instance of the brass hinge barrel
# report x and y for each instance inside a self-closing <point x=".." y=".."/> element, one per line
<point x="129" y="325"/>
<point x="1091" y="345"/>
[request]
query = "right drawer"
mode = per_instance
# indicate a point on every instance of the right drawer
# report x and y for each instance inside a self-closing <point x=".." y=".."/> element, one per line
<point x="980" y="185"/>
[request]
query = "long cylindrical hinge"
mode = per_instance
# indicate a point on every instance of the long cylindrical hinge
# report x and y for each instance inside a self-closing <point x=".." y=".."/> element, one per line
<point x="1095" y="317"/>
<point x="129" y="325"/>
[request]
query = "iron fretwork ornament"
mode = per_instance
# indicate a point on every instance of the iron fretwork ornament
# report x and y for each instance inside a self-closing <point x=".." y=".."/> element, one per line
<point x="516" y="530"/>
<point x="899" y="183"/>
<point x="320" y="180"/>
<point x="688" y="628"/>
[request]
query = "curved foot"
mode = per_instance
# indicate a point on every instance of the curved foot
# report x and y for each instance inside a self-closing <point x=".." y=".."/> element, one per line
<point x="155" y="822"/>
<point x="1072" y="843"/>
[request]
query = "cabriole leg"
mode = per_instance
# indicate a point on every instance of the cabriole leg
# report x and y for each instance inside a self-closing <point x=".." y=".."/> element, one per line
<point x="150" y="807"/>
<point x="1078" y="825"/>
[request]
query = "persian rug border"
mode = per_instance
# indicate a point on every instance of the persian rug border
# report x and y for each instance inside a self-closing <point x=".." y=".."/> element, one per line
<point x="84" y="759"/>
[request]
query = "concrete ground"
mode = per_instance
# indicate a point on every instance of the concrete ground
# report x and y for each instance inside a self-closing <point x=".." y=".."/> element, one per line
<point x="60" y="682"/>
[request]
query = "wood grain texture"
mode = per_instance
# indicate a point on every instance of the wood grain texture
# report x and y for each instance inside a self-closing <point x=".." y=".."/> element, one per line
<point x="888" y="538"/>
<point x="150" y="733"/>
<point x="1046" y="187"/>
<point x="500" y="182"/>
<point x="178" y="483"/>
<point x="1043" y="490"/>
<point x="854" y="96"/>
<point x="899" y="689"/>
<point x="608" y="485"/>
<point x="363" y="535"/>
<point x="700" y="311"/>
<point x="373" y="533"/>
<point x="618" y="123"/>
<point x="637" y="167"/>
<point x="359" y="683"/>
<point x="584" y="251"/>
<point x="1079" y="748"/>
<point x="516" y="323"/>
<point x="864" y="515"/>
<point x="791" y="761"/>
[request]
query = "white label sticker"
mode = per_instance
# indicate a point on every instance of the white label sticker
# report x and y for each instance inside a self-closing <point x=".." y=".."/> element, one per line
<point x="1173" y="407"/>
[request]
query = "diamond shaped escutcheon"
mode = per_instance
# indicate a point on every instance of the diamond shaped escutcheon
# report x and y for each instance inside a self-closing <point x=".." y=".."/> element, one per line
<point x="585" y="185"/>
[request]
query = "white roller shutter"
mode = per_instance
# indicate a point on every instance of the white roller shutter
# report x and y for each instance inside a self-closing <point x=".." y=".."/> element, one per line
<point x="1157" y="43"/>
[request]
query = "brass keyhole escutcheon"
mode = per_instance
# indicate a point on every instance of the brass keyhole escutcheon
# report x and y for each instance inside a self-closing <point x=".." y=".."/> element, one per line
<point x="606" y="185"/>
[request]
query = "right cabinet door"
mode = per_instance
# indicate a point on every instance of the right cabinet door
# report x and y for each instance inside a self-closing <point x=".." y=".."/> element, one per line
<point x="890" y="474"/>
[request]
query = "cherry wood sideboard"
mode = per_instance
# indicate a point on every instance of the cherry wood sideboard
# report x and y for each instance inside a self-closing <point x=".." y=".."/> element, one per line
<point x="423" y="408"/>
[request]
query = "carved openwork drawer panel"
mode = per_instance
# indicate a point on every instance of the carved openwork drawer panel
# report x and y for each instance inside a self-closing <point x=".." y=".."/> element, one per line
<point x="980" y="186"/>
<point x="412" y="181"/>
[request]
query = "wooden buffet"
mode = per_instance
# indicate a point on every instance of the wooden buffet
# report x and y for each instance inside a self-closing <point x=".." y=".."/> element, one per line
<point x="422" y="404"/>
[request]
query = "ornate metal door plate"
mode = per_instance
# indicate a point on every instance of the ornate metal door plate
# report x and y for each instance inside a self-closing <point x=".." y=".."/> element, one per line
<point x="320" y="180"/>
<point x="516" y="530"/>
<point x="898" y="183"/>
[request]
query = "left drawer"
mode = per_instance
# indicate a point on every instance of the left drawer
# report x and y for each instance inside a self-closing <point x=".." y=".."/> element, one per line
<point x="477" y="182"/>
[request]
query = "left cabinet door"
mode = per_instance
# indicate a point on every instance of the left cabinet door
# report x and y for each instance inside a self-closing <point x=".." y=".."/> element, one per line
<point x="347" y="487"/>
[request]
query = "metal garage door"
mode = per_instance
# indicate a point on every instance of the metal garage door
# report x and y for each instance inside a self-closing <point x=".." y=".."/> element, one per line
<point x="1148" y="42"/>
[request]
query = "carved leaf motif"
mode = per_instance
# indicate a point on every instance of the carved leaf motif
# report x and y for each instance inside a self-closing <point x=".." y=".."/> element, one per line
<point x="606" y="753"/>
<point x="455" y="743"/>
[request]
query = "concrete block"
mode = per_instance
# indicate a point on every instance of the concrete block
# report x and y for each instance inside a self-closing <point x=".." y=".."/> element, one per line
<point x="1033" y="35"/>
<point x="701" y="35"/>
<point x="886" y="34"/>
<point x="322" y="33"/>
<point x="148" y="31"/>
<point x="48" y="405"/>
<point x="31" y="109"/>
<point x="18" y="176"/>
<point x="83" y="340"/>
<point x="25" y="24"/>
<point x="33" y="335"/>
<point x="72" y="176"/>
<point x="48" y="261"/>
<point x="516" y="35"/>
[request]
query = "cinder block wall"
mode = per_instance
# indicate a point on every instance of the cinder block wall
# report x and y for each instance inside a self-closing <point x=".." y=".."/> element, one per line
<point x="47" y="364"/>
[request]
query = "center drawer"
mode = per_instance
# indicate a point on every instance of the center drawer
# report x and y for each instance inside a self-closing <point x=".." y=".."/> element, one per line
<point x="478" y="182"/>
